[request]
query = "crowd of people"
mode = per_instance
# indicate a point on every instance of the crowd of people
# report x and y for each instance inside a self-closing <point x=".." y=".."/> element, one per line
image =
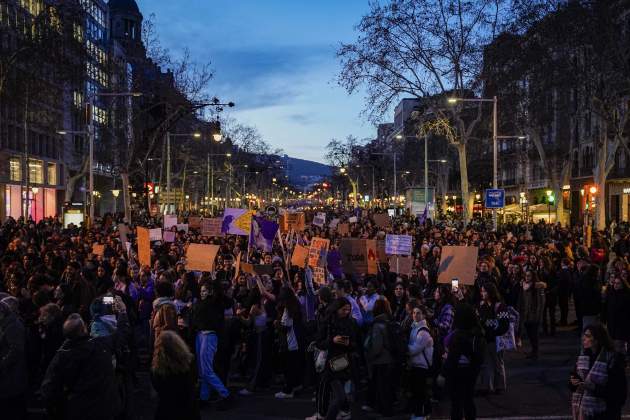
<point x="76" y="325"/>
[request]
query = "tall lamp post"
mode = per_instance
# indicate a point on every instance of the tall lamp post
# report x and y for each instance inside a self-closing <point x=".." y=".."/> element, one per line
<point x="494" y="143"/>
<point x="550" y="200"/>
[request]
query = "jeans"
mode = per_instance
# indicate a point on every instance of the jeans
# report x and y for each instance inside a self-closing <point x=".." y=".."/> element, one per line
<point x="338" y="399"/>
<point x="532" y="334"/>
<point x="461" y="385"/>
<point x="206" y="346"/>
<point x="493" y="370"/>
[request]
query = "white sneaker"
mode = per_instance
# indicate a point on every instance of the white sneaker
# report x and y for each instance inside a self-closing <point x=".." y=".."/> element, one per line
<point x="245" y="392"/>
<point x="344" y="415"/>
<point x="315" y="416"/>
<point x="282" y="396"/>
<point x="367" y="408"/>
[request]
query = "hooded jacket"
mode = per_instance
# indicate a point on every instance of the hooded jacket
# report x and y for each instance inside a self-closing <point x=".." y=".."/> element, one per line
<point x="420" y="345"/>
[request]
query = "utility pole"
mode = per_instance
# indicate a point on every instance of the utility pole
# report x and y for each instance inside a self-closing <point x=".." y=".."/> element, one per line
<point x="168" y="172"/>
<point x="426" y="171"/>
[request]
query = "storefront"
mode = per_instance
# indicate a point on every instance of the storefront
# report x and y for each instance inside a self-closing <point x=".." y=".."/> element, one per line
<point x="618" y="200"/>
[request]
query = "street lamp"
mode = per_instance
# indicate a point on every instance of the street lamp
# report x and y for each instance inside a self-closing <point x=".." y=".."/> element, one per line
<point x="550" y="200"/>
<point x="115" y="193"/>
<point x="494" y="143"/>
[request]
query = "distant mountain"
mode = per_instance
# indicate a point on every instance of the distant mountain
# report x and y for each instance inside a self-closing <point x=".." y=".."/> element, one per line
<point x="303" y="173"/>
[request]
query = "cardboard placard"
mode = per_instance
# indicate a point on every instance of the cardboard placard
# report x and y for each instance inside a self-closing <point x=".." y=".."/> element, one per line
<point x="155" y="234"/>
<point x="182" y="226"/>
<point x="319" y="220"/>
<point x="293" y="221"/>
<point x="318" y="251"/>
<point x="212" y="226"/>
<point x="300" y="254"/>
<point x="343" y="229"/>
<point x="194" y="222"/>
<point x="144" y="247"/>
<point x="382" y="220"/>
<point x="458" y="262"/>
<point x="353" y="219"/>
<point x="319" y="275"/>
<point x="200" y="257"/>
<point x="401" y="264"/>
<point x="359" y="256"/>
<point x="333" y="223"/>
<point x="398" y="244"/>
<point x="257" y="269"/>
<point x="170" y="220"/>
<point x="98" y="249"/>
<point x="237" y="265"/>
<point x="168" y="236"/>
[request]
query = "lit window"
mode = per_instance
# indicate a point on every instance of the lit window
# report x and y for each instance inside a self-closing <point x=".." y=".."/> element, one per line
<point x="52" y="174"/>
<point x="78" y="99"/>
<point x="15" y="169"/>
<point x="35" y="171"/>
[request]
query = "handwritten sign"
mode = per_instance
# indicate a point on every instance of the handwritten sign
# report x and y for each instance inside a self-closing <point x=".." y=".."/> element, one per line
<point x="343" y="229"/>
<point x="257" y="269"/>
<point x="318" y="251"/>
<point x="353" y="219"/>
<point x="144" y="247"/>
<point x="212" y="226"/>
<point x="182" y="226"/>
<point x="300" y="254"/>
<point x="398" y="244"/>
<point x="168" y="236"/>
<point x="458" y="262"/>
<point x="333" y="223"/>
<point x="170" y="220"/>
<point x="194" y="222"/>
<point x="319" y="219"/>
<point x="200" y="257"/>
<point x="155" y="234"/>
<point x="359" y="256"/>
<point x="319" y="275"/>
<point x="293" y="221"/>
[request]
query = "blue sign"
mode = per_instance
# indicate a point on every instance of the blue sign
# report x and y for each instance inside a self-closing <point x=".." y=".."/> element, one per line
<point x="495" y="199"/>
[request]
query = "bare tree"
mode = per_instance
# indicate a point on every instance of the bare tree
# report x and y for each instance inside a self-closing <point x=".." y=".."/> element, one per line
<point x="427" y="49"/>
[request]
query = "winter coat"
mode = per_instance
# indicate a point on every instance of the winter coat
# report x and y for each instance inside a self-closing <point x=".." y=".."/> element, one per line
<point x="495" y="320"/>
<point x="617" y="314"/>
<point x="588" y="295"/>
<point x="176" y="395"/>
<point x="335" y="326"/>
<point x="377" y="343"/>
<point x="531" y="304"/>
<point x="13" y="371"/>
<point x="420" y="345"/>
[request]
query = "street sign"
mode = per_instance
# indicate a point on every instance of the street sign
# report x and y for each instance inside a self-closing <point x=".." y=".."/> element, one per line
<point x="495" y="198"/>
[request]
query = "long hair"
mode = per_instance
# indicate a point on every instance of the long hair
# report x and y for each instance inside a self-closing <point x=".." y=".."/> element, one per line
<point x="171" y="355"/>
<point x="600" y="335"/>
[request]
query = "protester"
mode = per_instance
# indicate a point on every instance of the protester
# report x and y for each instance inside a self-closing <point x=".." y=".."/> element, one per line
<point x="13" y="368"/>
<point x="494" y="318"/>
<point x="173" y="377"/>
<point x="531" y="305"/>
<point x="421" y="347"/>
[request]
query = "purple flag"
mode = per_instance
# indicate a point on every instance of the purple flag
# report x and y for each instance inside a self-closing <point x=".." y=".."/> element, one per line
<point x="262" y="233"/>
<point x="423" y="217"/>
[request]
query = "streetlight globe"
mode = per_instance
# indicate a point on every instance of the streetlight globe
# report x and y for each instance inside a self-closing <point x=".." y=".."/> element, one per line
<point x="228" y="154"/>
<point x="593" y="189"/>
<point x="452" y="100"/>
<point x="342" y="170"/>
<point x="197" y="135"/>
<point x="217" y="137"/>
<point x="115" y="193"/>
<point x="399" y="136"/>
<point x="477" y="196"/>
<point x="548" y="192"/>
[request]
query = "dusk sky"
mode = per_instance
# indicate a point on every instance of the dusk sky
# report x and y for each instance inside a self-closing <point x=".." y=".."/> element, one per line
<point x="275" y="60"/>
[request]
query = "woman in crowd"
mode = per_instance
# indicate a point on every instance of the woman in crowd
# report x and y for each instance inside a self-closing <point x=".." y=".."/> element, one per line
<point x="598" y="381"/>
<point x="292" y="330"/>
<point x="420" y="350"/>
<point x="530" y="306"/>
<point x="380" y="361"/>
<point x="495" y="322"/>
<point x="173" y="378"/>
<point x="466" y="348"/>
<point x="617" y="312"/>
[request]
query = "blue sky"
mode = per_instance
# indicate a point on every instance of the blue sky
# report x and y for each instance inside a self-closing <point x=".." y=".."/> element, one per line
<point x="276" y="60"/>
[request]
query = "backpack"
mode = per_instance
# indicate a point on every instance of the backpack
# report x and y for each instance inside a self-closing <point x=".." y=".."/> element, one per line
<point x="434" y="362"/>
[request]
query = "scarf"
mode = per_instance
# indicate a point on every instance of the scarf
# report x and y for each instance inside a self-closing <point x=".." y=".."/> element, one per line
<point x="584" y="403"/>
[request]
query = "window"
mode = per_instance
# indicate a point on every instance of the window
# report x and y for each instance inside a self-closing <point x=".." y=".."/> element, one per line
<point x="15" y="169"/>
<point x="36" y="171"/>
<point x="52" y="174"/>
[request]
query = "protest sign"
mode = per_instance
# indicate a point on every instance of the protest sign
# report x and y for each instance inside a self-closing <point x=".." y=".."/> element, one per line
<point x="257" y="269"/>
<point x="380" y="251"/>
<point x="343" y="229"/>
<point x="194" y="222"/>
<point x="319" y="219"/>
<point x="381" y="220"/>
<point x="353" y="219"/>
<point x="359" y="256"/>
<point x="98" y="249"/>
<point x="293" y="221"/>
<point x="398" y="244"/>
<point x="300" y="254"/>
<point x="182" y="226"/>
<point x="144" y="247"/>
<point x="168" y="236"/>
<point x="237" y="221"/>
<point x="170" y="220"/>
<point x="319" y="275"/>
<point x="237" y="265"/>
<point x="212" y="226"/>
<point x="400" y="264"/>
<point x="155" y="234"/>
<point x="200" y="257"/>
<point x="317" y="251"/>
<point x="458" y="262"/>
<point x="262" y="233"/>
<point x="333" y="223"/>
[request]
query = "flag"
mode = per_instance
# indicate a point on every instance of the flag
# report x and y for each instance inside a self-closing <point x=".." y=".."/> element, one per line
<point x="262" y="233"/>
<point x="423" y="217"/>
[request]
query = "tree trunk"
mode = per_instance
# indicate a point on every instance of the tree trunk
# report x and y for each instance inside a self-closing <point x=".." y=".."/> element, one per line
<point x="565" y="179"/>
<point x="599" y="176"/>
<point x="463" y="171"/>
<point x="124" y="176"/>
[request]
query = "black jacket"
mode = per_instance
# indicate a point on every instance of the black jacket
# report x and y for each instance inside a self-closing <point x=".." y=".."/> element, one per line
<point x="617" y="314"/>
<point x="177" y="397"/>
<point x="80" y="382"/>
<point x="209" y="314"/>
<point x="588" y="295"/>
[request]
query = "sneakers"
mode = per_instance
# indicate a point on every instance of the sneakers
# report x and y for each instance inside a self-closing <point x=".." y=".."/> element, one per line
<point x="344" y="415"/>
<point x="367" y="408"/>
<point x="283" y="396"/>
<point x="245" y="392"/>
<point x="315" y="416"/>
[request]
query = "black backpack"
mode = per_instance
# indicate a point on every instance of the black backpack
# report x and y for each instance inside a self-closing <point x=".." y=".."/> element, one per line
<point x="396" y="341"/>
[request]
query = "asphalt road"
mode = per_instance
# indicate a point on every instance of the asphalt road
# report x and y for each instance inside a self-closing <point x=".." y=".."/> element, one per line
<point x="535" y="390"/>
